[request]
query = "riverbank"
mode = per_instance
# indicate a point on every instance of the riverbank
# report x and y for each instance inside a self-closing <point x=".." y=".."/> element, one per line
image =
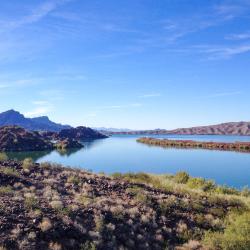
<point x="224" y="146"/>
<point x="48" y="206"/>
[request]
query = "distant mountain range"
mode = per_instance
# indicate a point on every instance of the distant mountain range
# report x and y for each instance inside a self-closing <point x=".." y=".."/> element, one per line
<point x="230" y="128"/>
<point x="12" y="117"/>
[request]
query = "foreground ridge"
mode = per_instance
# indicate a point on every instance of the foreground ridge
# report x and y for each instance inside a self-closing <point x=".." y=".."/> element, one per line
<point x="47" y="206"/>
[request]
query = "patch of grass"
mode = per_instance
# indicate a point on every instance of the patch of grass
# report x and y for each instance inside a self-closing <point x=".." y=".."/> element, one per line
<point x="88" y="245"/>
<point x="85" y="200"/>
<point x="6" y="190"/>
<point x="144" y="198"/>
<point x="27" y="163"/>
<point x="31" y="202"/>
<point x="200" y="183"/>
<point x="3" y="157"/>
<point x="10" y="171"/>
<point x="74" y="180"/>
<point x="181" y="177"/>
<point x="134" y="190"/>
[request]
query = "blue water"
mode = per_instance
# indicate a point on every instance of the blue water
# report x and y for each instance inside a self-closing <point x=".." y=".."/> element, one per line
<point x="124" y="154"/>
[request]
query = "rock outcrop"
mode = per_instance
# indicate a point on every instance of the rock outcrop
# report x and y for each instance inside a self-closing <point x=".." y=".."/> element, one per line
<point x="81" y="133"/>
<point x="13" y="138"/>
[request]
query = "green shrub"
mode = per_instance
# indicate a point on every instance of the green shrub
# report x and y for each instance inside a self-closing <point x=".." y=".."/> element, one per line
<point x="31" y="202"/>
<point x="181" y="177"/>
<point x="6" y="190"/>
<point x="226" y="190"/>
<point x="27" y="163"/>
<point x="10" y="171"/>
<point x="74" y="180"/>
<point x="245" y="191"/>
<point x="3" y="157"/>
<point x="236" y="235"/>
<point x="200" y="183"/>
<point x="88" y="245"/>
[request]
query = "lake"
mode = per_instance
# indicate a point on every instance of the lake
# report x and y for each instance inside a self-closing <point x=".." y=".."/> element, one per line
<point x="123" y="154"/>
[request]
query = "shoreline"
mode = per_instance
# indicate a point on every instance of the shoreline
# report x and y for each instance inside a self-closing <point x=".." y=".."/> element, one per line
<point x="243" y="147"/>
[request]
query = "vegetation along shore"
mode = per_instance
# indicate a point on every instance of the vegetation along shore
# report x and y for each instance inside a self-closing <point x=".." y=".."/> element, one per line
<point x="48" y="206"/>
<point x="235" y="146"/>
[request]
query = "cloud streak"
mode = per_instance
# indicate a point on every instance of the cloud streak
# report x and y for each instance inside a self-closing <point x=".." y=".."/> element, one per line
<point x="38" y="13"/>
<point x="223" y="94"/>
<point x="152" y="95"/>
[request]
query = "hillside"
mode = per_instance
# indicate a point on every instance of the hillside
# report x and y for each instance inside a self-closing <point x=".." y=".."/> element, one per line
<point x="17" y="139"/>
<point x="231" y="128"/>
<point x="45" y="206"/>
<point x="13" y="138"/>
<point x="81" y="133"/>
<point x="12" y="117"/>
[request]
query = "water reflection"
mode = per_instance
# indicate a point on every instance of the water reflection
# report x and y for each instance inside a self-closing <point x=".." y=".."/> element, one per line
<point x="92" y="143"/>
<point x="35" y="155"/>
<point x="67" y="152"/>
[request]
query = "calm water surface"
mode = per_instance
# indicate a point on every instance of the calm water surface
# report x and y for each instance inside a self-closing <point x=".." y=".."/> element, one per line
<point x="124" y="154"/>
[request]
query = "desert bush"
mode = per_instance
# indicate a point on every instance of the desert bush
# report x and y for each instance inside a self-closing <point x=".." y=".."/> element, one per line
<point x="27" y="163"/>
<point x="45" y="225"/>
<point x="236" y="235"/>
<point x="88" y="246"/>
<point x="99" y="223"/>
<point x="144" y="198"/>
<point x="226" y="190"/>
<point x="200" y="183"/>
<point x="85" y="200"/>
<point x="6" y="190"/>
<point x="181" y="177"/>
<point x="10" y="171"/>
<point x="31" y="202"/>
<point x="3" y="157"/>
<point x="74" y="180"/>
<point x="245" y="191"/>
<point x="56" y="204"/>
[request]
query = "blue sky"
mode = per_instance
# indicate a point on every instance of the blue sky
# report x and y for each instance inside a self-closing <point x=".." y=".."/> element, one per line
<point x="138" y="64"/>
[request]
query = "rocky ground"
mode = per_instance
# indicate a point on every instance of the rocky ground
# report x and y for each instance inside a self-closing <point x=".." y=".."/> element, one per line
<point x="46" y="206"/>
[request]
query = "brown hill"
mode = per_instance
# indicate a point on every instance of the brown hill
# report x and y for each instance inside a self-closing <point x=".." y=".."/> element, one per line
<point x="230" y="128"/>
<point x="13" y="138"/>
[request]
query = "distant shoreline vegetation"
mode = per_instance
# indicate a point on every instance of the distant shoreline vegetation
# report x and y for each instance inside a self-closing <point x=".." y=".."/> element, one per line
<point x="224" y="146"/>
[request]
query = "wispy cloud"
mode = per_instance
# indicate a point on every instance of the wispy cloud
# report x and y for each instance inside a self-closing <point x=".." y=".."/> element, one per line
<point x="8" y="83"/>
<point x="223" y="94"/>
<point x="37" y="13"/>
<point x="39" y="111"/>
<point x="151" y="95"/>
<point x="43" y="107"/>
<point x="239" y="36"/>
<point x="223" y="52"/>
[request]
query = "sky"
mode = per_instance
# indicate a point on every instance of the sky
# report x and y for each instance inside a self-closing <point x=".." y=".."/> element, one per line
<point x="138" y="64"/>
